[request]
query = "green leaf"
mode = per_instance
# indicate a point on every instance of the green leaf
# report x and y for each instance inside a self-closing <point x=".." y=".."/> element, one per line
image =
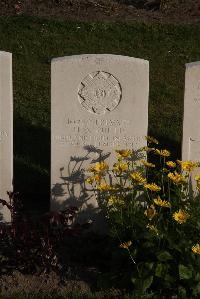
<point x="149" y="266"/>
<point x="133" y="280"/>
<point x="169" y="278"/>
<point x="185" y="272"/>
<point x="196" y="289"/>
<point x="147" y="283"/>
<point x="141" y="284"/>
<point x="159" y="270"/>
<point x="197" y="276"/>
<point x="182" y="292"/>
<point x="164" y="256"/>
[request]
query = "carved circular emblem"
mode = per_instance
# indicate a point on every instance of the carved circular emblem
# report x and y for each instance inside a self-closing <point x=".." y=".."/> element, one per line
<point x="99" y="92"/>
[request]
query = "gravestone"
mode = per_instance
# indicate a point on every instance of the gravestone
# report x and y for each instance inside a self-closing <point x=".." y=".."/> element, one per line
<point x="191" y="120"/>
<point x="6" y="131"/>
<point x="99" y="104"/>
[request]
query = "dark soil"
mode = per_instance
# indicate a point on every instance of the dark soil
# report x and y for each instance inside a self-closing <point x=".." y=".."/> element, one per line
<point x="164" y="11"/>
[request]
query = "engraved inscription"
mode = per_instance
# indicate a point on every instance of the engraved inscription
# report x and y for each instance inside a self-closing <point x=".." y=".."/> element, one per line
<point x="197" y="100"/>
<point x="100" y="141"/>
<point x="100" y="133"/>
<point x="3" y="134"/>
<point x="99" y="92"/>
<point x="197" y="93"/>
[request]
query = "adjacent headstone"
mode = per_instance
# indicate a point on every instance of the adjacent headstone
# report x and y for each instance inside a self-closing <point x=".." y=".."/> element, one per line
<point x="6" y="131"/>
<point x="99" y="104"/>
<point x="191" y="120"/>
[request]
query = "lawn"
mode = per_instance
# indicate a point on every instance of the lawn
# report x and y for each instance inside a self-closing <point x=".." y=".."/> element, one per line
<point x="34" y="42"/>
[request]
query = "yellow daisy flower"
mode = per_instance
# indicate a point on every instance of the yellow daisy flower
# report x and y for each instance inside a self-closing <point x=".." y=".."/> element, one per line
<point x="163" y="153"/>
<point x="125" y="245"/>
<point x="162" y="203"/>
<point x="181" y="216"/>
<point x="115" y="200"/>
<point x="148" y="164"/>
<point x="99" y="167"/>
<point x="177" y="178"/>
<point x="197" y="177"/>
<point x="150" y="212"/>
<point x="137" y="178"/>
<point x="111" y="200"/>
<point x="124" y="153"/>
<point x="171" y="164"/>
<point x="116" y="187"/>
<point x="196" y="248"/>
<point x="95" y="178"/>
<point x="198" y="185"/>
<point x="187" y="165"/>
<point x="104" y="187"/>
<point x="152" y="228"/>
<point x="151" y="139"/>
<point x="153" y="187"/>
<point x="147" y="149"/>
<point x="120" y="167"/>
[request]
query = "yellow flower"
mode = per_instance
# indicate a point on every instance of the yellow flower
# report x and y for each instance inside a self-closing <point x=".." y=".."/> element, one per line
<point x="94" y="178"/>
<point x="124" y="153"/>
<point x="151" y="140"/>
<point x="171" y="164"/>
<point x="148" y="149"/>
<point x="125" y="245"/>
<point x="162" y="203"/>
<point x="188" y="165"/>
<point x="163" y="153"/>
<point x="147" y="164"/>
<point x="104" y="187"/>
<point x="197" y="177"/>
<point x="177" y="178"/>
<point x="115" y="200"/>
<point x="150" y="212"/>
<point x="181" y="216"/>
<point x="120" y="167"/>
<point x="138" y="178"/>
<point x="153" y="187"/>
<point x="198" y="186"/>
<point x="111" y="200"/>
<point x="152" y="228"/>
<point x="99" y="167"/>
<point x="196" y="248"/>
<point x="116" y="187"/>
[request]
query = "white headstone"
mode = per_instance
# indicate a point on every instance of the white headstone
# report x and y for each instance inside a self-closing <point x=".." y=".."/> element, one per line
<point x="191" y="120"/>
<point x="6" y="131"/>
<point x="99" y="102"/>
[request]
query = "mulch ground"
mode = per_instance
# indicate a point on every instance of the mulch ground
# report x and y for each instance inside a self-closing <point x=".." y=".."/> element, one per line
<point x="174" y="11"/>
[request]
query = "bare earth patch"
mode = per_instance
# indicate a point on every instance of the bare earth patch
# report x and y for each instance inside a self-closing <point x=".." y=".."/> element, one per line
<point x="172" y="11"/>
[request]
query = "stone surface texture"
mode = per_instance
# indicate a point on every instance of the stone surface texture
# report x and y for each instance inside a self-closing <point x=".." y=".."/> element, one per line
<point x="191" y="120"/>
<point x="99" y="104"/>
<point x="6" y="131"/>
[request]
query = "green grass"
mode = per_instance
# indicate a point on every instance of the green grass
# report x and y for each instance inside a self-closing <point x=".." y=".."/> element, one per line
<point x="34" y="42"/>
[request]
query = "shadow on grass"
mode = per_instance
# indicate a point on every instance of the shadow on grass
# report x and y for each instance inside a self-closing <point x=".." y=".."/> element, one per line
<point x="31" y="165"/>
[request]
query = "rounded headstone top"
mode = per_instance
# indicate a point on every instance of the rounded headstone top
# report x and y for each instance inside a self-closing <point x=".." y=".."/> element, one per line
<point x="100" y="56"/>
<point x="193" y="64"/>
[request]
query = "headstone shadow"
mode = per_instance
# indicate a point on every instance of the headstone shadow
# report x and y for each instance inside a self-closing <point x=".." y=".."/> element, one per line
<point x="74" y="189"/>
<point x="32" y="165"/>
